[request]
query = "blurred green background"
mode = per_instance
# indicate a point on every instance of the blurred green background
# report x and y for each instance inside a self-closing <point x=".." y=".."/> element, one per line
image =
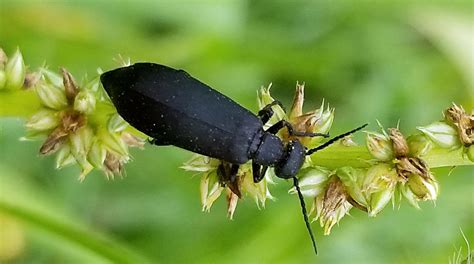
<point x="392" y="61"/>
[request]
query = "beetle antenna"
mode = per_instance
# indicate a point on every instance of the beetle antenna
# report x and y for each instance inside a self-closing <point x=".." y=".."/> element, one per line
<point x="305" y="214"/>
<point x="334" y="139"/>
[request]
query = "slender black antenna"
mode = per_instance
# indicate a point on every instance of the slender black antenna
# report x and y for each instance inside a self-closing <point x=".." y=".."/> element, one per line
<point x="334" y="139"/>
<point x="305" y="214"/>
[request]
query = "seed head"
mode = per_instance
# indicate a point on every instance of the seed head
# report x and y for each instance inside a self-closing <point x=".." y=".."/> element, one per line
<point x="75" y="129"/>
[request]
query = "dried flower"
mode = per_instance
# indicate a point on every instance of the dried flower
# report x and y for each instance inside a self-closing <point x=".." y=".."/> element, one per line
<point x="316" y="121"/>
<point x="463" y="122"/>
<point x="399" y="144"/>
<point x="332" y="205"/>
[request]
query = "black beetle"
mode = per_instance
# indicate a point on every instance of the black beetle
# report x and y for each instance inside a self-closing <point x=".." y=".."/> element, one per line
<point x="174" y="108"/>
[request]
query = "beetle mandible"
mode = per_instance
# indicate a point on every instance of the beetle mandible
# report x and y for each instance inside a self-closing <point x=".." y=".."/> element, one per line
<point x="173" y="108"/>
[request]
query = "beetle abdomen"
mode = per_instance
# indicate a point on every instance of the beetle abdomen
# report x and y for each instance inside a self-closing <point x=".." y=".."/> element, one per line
<point x="176" y="109"/>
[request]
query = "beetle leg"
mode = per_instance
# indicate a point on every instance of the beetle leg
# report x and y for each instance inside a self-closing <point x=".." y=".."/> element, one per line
<point x="228" y="175"/>
<point x="283" y="123"/>
<point x="258" y="172"/>
<point x="267" y="112"/>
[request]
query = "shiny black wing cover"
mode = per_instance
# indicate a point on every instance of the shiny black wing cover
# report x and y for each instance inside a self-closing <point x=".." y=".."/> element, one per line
<point x="176" y="109"/>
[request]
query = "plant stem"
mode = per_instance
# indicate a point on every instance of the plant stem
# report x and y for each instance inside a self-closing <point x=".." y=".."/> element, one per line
<point x="23" y="103"/>
<point x="18" y="103"/>
<point x="337" y="155"/>
<point x="102" y="247"/>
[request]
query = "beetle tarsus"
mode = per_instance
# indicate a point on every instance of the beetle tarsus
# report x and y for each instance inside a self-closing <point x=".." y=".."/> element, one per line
<point x="228" y="176"/>
<point x="283" y="123"/>
<point x="267" y="112"/>
<point x="258" y="172"/>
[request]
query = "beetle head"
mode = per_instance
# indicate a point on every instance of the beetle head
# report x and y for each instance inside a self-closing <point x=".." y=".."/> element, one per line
<point x="292" y="160"/>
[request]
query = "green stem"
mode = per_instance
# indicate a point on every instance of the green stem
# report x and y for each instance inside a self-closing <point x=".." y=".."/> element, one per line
<point x="100" y="246"/>
<point x="23" y="103"/>
<point x="337" y="155"/>
<point x="18" y="103"/>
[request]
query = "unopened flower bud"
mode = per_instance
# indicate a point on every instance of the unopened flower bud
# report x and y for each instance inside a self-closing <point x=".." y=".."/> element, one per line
<point x="419" y="145"/>
<point x="211" y="189"/>
<point x="64" y="157"/>
<point x="353" y="179"/>
<point x="52" y="78"/>
<point x="113" y="142"/>
<point x="380" y="146"/>
<point x="51" y="96"/>
<point x="96" y="154"/>
<point x="15" y="71"/>
<point x="379" y="200"/>
<point x="324" y="122"/>
<point x="80" y="143"/>
<point x="423" y="188"/>
<point x="379" y="187"/>
<point x="442" y="134"/>
<point x="312" y="181"/>
<point x="407" y="193"/>
<point x="43" y="120"/>
<point x="84" y="102"/>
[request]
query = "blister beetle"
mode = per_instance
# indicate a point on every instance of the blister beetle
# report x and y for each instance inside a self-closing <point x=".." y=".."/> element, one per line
<point x="174" y="108"/>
